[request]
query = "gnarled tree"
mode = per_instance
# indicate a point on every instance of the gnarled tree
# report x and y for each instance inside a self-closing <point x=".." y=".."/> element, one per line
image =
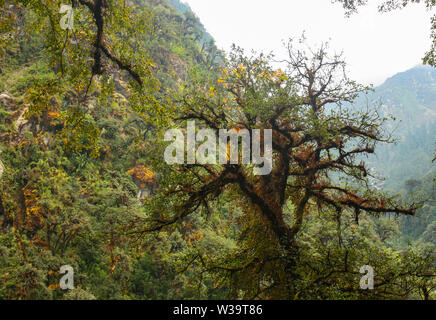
<point x="318" y="141"/>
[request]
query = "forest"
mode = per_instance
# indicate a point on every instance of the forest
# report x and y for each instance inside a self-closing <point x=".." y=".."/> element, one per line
<point x="91" y="96"/>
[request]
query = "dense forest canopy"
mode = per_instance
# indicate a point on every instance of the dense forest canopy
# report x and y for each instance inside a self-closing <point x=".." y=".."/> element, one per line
<point x="84" y="110"/>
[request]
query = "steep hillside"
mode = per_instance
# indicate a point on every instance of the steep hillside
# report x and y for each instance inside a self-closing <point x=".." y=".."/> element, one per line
<point x="410" y="97"/>
<point x="407" y="165"/>
<point x="60" y="206"/>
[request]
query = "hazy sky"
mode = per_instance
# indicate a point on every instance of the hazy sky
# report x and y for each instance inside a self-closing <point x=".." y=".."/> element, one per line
<point x="376" y="46"/>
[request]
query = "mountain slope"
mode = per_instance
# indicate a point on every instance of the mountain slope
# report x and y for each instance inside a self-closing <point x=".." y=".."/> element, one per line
<point x="410" y="97"/>
<point x="65" y="207"/>
<point x="407" y="166"/>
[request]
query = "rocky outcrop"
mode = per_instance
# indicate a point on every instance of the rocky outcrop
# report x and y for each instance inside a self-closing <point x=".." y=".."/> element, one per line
<point x="21" y="122"/>
<point x="2" y="169"/>
<point x="6" y="101"/>
<point x="17" y="113"/>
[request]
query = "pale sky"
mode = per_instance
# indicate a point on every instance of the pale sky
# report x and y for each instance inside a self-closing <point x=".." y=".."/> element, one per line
<point x="376" y="46"/>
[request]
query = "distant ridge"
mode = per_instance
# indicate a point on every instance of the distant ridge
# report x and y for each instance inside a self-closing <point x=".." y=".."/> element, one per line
<point x="409" y="96"/>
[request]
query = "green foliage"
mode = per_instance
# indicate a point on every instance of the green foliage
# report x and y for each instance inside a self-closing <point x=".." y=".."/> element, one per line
<point x="83" y="178"/>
